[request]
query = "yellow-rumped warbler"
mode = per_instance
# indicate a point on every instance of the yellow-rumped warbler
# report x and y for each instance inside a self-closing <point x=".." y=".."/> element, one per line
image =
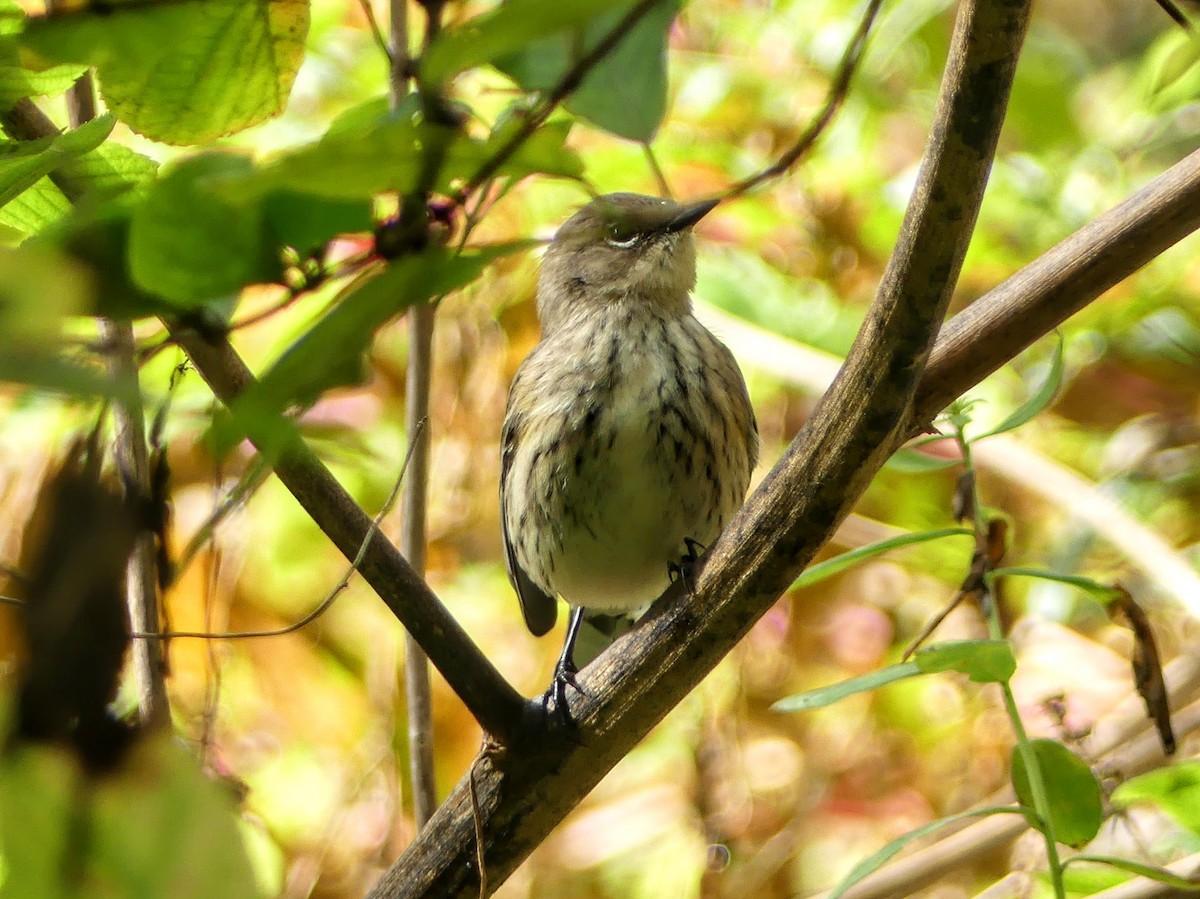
<point x="629" y="435"/>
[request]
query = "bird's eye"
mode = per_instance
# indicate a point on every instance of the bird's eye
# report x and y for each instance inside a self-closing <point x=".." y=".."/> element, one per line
<point x="621" y="236"/>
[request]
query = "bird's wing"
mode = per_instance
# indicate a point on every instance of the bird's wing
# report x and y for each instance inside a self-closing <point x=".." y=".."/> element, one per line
<point x="538" y="607"/>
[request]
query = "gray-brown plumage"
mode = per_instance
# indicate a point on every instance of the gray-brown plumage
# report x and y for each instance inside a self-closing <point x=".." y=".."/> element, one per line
<point x="629" y="430"/>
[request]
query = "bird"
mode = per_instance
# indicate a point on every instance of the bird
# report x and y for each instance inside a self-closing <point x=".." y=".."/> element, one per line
<point x="629" y="438"/>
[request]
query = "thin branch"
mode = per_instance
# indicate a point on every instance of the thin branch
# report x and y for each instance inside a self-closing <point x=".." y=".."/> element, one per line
<point x="838" y="90"/>
<point x="253" y="478"/>
<point x="418" y="692"/>
<point x="376" y="31"/>
<point x="556" y="95"/>
<point x="630" y="687"/>
<point x="334" y="592"/>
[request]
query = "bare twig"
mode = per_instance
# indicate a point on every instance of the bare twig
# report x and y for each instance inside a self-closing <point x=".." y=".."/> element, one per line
<point x="417" y="690"/>
<point x="838" y="90"/>
<point x="556" y="95"/>
<point x="337" y="588"/>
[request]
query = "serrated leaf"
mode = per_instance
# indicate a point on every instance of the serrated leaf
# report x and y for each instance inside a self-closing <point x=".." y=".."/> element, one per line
<point x="1153" y="872"/>
<point x="505" y="31"/>
<point x="109" y="169"/>
<point x="24" y="163"/>
<point x="1072" y="791"/>
<point x="983" y="661"/>
<point x="17" y="81"/>
<point x="1174" y="789"/>
<point x="187" y="71"/>
<point x="40" y="206"/>
<point x="1040" y="400"/>
<point x="625" y="93"/>
<point x="877" y="860"/>
<point x="190" y="244"/>
<point x="830" y="567"/>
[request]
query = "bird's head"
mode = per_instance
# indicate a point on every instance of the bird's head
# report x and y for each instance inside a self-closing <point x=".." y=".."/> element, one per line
<point x="621" y="247"/>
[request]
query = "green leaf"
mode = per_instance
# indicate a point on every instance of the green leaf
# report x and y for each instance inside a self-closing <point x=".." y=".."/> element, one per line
<point x="39" y="289"/>
<point x="824" y="696"/>
<point x="1175" y="790"/>
<point x="97" y="236"/>
<point x="1041" y="398"/>
<point x="331" y="353"/>
<point x="624" y="93"/>
<point x="365" y="157"/>
<point x="306" y="222"/>
<point x="878" y="859"/>
<point x="830" y="567"/>
<point x="44" y="784"/>
<point x="909" y="461"/>
<point x="186" y="71"/>
<point x="1102" y="592"/>
<point x="506" y="30"/>
<point x="984" y="661"/>
<point x="17" y="81"/>
<point x="190" y="244"/>
<point x="1072" y="791"/>
<point x="109" y="169"/>
<point x="24" y="163"/>
<point x="40" y="206"/>
<point x="1153" y="872"/>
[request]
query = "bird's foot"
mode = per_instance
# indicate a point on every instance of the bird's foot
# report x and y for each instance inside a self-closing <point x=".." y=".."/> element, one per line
<point x="554" y="701"/>
<point x="685" y="569"/>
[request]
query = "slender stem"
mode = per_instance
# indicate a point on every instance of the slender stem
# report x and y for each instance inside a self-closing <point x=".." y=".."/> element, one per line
<point x="129" y="449"/>
<point x="1033" y="770"/>
<point x="417" y="691"/>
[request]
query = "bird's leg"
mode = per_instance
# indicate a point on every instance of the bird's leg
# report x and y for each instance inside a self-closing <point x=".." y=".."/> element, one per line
<point x="685" y="567"/>
<point x="565" y="670"/>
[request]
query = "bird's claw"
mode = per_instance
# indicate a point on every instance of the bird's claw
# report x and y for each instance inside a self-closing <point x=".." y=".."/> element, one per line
<point x="554" y="701"/>
<point x="684" y="569"/>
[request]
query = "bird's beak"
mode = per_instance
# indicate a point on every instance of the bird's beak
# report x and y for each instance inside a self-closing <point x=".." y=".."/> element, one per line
<point x="689" y="215"/>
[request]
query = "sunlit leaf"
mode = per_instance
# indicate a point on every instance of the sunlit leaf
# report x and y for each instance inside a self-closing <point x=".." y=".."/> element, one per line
<point x="878" y="859"/>
<point x="984" y="661"/>
<point x="625" y="92"/>
<point x="824" y="696"/>
<point x="505" y="30"/>
<point x="191" y="245"/>
<point x="830" y="567"/>
<point x="1153" y="872"/>
<point x="185" y="71"/>
<point x="910" y="461"/>
<point x="1040" y="400"/>
<point x="1072" y="791"/>
<point x="24" y="163"/>
<point x="1174" y="789"/>
<point x="1102" y="592"/>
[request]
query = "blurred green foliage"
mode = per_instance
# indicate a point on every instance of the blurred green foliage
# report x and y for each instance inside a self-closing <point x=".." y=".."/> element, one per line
<point x="726" y="798"/>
